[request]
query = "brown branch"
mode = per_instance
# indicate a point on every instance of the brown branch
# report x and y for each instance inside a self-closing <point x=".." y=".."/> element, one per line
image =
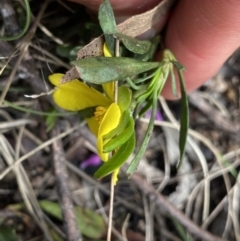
<point x="162" y="202"/>
<point x="69" y="218"/>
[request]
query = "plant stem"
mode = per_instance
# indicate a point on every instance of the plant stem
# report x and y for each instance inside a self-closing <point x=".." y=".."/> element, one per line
<point x="117" y="54"/>
<point x="110" y="222"/>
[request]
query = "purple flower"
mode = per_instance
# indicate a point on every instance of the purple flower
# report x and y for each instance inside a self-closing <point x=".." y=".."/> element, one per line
<point x="92" y="160"/>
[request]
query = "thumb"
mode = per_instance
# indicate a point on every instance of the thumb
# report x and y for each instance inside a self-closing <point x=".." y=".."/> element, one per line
<point x="202" y="35"/>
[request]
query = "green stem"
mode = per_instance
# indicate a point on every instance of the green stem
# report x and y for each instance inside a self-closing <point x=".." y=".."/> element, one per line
<point x="26" y="26"/>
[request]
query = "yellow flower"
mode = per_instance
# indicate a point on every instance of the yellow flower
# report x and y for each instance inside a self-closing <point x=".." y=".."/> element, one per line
<point x="76" y="96"/>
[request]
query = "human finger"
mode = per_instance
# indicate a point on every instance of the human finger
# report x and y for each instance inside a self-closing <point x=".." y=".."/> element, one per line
<point x="202" y="35"/>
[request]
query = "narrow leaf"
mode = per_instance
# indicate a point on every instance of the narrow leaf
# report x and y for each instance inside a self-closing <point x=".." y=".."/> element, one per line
<point x="119" y="140"/>
<point x="122" y="125"/>
<point x="101" y="70"/>
<point x="184" y="119"/>
<point x="106" y="18"/>
<point x="118" y="159"/>
<point x="108" y="24"/>
<point x="124" y="97"/>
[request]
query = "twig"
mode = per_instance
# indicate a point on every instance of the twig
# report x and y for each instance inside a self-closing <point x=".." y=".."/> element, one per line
<point x="26" y="42"/>
<point x="162" y="202"/>
<point x="215" y="116"/>
<point x="70" y="223"/>
<point x="98" y="185"/>
<point x="40" y="147"/>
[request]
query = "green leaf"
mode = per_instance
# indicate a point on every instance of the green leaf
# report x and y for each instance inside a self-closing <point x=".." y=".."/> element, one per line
<point x="118" y="159"/>
<point x="121" y="126"/>
<point x="119" y="140"/>
<point x="106" y="18"/>
<point x="64" y="50"/>
<point x="8" y="234"/>
<point x="148" y="89"/>
<point x="124" y="97"/>
<point x="107" y="23"/>
<point x="149" y="55"/>
<point x="90" y="223"/>
<point x="144" y="94"/>
<point x="134" y="45"/>
<point x="184" y="119"/>
<point x="182" y="232"/>
<point x="101" y="70"/>
<point x="74" y="52"/>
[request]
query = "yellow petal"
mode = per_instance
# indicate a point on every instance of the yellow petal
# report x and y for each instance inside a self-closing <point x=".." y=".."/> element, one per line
<point x="108" y="87"/>
<point x="106" y="51"/>
<point x="93" y="125"/>
<point x="115" y="175"/>
<point x="55" y="78"/>
<point x="109" y="90"/>
<point x="76" y="95"/>
<point x="109" y="122"/>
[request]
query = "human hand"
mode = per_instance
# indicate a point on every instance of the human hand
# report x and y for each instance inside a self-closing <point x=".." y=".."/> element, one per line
<point x="201" y="34"/>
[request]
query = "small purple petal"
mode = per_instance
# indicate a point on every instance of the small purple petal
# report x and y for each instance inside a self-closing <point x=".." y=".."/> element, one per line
<point x="158" y="116"/>
<point x="93" y="160"/>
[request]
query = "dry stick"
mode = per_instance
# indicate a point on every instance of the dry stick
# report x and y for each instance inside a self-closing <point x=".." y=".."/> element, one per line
<point x="162" y="202"/>
<point x="26" y="42"/>
<point x="214" y="115"/>
<point x="38" y="148"/>
<point x="69" y="218"/>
